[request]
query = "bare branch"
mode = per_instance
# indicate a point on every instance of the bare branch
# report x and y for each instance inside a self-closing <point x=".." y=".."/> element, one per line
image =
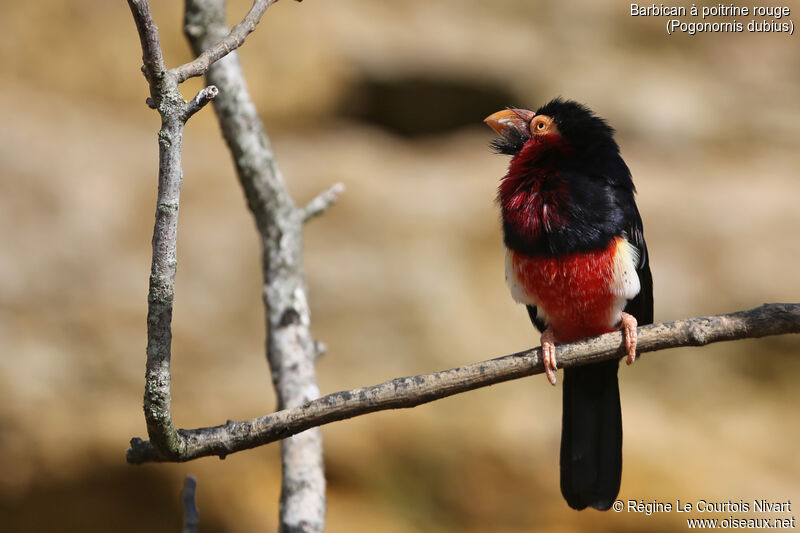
<point x="291" y="350"/>
<point x="322" y="202"/>
<point x="191" y="517"/>
<point x="233" y="40"/>
<point x="174" y="111"/>
<point x="154" y="67"/>
<point x="290" y="347"/>
<point x="203" y="97"/>
<point x="769" y="319"/>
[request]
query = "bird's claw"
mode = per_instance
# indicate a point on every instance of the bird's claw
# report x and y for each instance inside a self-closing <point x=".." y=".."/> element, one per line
<point x="549" y="355"/>
<point x="629" y="325"/>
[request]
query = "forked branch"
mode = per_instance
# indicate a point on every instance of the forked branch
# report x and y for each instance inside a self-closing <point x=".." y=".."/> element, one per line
<point x="291" y="349"/>
<point x="235" y="38"/>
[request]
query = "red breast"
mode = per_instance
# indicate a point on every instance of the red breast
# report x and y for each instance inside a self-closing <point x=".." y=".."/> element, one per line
<point x="580" y="294"/>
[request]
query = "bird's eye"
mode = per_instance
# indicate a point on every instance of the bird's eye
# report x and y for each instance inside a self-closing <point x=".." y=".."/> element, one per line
<point x="540" y="126"/>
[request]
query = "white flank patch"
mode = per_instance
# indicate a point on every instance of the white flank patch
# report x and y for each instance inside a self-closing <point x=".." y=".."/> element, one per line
<point x="518" y="291"/>
<point x="626" y="280"/>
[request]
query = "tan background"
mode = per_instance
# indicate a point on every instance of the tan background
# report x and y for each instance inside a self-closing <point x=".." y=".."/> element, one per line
<point x="405" y="273"/>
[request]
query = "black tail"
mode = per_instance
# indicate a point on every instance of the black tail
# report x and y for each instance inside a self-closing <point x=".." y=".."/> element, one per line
<point x="591" y="436"/>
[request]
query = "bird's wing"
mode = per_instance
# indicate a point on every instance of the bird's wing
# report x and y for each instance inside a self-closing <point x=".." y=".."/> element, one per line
<point x="641" y="306"/>
<point x="537" y="321"/>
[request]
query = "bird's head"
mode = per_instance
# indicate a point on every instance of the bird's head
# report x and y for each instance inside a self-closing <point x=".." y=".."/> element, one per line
<point x="562" y="123"/>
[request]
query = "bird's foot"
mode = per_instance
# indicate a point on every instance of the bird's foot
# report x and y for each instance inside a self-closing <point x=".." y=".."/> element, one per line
<point x="629" y="325"/>
<point x="548" y="342"/>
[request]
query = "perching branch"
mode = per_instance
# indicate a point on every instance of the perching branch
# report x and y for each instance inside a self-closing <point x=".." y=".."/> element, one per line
<point x="291" y="350"/>
<point x="769" y="319"/>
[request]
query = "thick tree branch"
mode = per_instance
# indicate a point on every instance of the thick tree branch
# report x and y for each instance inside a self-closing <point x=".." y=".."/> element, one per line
<point x="769" y="319"/>
<point x="291" y="350"/>
<point x="225" y="45"/>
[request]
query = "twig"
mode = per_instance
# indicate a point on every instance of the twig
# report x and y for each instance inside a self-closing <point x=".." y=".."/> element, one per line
<point x="191" y="517"/>
<point x="322" y="202"/>
<point x="769" y="319"/>
<point x="197" y="103"/>
<point x="152" y="57"/>
<point x="233" y="40"/>
<point x="291" y="350"/>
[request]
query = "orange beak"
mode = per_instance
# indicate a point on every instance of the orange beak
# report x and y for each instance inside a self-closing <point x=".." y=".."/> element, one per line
<point x="507" y="120"/>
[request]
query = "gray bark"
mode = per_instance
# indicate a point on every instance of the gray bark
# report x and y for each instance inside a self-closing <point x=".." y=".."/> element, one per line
<point x="290" y="346"/>
<point x="167" y="99"/>
<point x="769" y="319"/>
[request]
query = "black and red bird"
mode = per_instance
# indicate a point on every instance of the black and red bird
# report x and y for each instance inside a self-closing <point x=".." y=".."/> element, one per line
<point x="576" y="257"/>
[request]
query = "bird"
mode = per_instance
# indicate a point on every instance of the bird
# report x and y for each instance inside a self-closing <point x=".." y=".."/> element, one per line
<point x="577" y="259"/>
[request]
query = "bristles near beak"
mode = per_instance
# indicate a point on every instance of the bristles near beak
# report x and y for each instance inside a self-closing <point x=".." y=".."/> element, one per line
<point x="510" y="123"/>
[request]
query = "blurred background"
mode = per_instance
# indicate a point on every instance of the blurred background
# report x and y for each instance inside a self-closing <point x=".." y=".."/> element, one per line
<point x="405" y="273"/>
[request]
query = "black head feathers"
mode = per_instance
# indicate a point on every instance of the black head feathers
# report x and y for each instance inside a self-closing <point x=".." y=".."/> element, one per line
<point x="579" y="125"/>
